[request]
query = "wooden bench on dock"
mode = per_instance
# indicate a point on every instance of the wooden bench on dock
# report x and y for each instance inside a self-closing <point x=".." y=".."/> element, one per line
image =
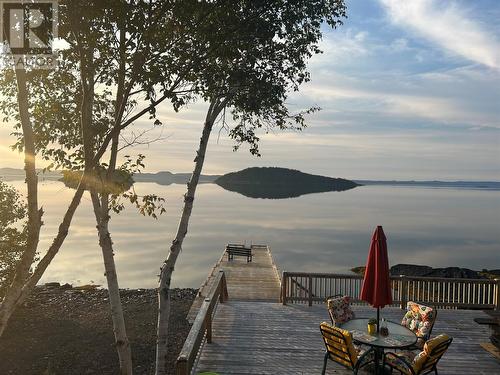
<point x="240" y="250"/>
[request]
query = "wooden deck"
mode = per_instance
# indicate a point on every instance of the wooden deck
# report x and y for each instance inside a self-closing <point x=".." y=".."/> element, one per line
<point x="257" y="280"/>
<point x="254" y="334"/>
<point x="268" y="338"/>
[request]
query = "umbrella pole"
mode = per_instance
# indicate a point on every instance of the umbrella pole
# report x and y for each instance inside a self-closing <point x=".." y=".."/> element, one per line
<point x="378" y="319"/>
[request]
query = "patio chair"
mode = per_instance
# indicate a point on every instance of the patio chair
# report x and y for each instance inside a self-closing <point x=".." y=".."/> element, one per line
<point x="339" y="309"/>
<point x="409" y="363"/>
<point x="420" y="319"/>
<point x="340" y="349"/>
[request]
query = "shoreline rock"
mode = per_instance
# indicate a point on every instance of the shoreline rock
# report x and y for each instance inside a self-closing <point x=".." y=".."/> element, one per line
<point x="427" y="271"/>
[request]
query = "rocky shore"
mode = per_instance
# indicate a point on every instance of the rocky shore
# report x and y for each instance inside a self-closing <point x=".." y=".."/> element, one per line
<point x="427" y="271"/>
<point x="62" y="330"/>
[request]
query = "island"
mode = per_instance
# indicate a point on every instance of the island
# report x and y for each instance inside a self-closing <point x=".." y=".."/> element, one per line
<point x="279" y="183"/>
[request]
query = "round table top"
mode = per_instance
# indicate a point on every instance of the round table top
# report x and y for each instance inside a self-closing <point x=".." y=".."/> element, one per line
<point x="399" y="336"/>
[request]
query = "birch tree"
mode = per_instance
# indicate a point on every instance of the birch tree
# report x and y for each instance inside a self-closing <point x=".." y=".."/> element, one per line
<point x="102" y="85"/>
<point x="124" y="58"/>
<point x="264" y="58"/>
<point x="143" y="37"/>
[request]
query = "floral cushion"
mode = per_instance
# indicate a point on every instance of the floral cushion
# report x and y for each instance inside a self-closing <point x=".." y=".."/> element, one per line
<point x="340" y="310"/>
<point x="419" y="319"/>
<point x="397" y="361"/>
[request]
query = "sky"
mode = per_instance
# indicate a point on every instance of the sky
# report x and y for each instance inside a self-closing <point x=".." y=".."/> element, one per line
<point x="409" y="90"/>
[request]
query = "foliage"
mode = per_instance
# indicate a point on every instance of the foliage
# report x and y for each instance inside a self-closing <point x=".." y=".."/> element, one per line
<point x="54" y="101"/>
<point x="119" y="181"/>
<point x="261" y="54"/>
<point x="360" y="270"/>
<point x="149" y="204"/>
<point x="12" y="233"/>
<point x="122" y="71"/>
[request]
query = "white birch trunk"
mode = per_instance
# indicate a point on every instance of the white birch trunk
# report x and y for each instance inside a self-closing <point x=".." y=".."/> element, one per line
<point x="169" y="264"/>
<point x="10" y="300"/>
<point x="121" y="340"/>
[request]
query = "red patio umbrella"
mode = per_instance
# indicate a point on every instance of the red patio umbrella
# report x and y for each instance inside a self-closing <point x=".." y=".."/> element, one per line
<point x="376" y="288"/>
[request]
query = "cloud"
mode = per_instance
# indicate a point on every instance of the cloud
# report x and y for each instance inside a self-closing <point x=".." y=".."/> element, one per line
<point x="405" y="105"/>
<point x="341" y="46"/>
<point x="447" y="26"/>
<point x="399" y="44"/>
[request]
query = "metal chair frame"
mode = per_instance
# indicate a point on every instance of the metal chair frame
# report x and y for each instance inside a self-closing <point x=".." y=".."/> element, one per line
<point x="336" y="356"/>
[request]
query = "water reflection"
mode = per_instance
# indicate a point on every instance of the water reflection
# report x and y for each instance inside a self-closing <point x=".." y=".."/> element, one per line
<point x="326" y="232"/>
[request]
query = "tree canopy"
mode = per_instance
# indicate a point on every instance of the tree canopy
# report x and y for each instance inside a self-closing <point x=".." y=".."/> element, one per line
<point x="259" y="55"/>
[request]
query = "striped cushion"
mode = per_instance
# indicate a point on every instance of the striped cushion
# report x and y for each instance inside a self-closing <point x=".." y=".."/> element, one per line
<point x="432" y="343"/>
<point x="344" y="349"/>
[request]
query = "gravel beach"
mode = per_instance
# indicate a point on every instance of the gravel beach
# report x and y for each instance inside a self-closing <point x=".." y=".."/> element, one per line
<point x="62" y="330"/>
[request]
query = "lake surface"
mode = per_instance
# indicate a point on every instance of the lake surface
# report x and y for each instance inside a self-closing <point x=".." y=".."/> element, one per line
<point x="324" y="232"/>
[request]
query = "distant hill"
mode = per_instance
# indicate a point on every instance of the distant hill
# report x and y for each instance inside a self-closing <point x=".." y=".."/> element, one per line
<point x="161" y="178"/>
<point x="278" y="183"/>
<point x="15" y="174"/>
<point x="426" y="271"/>
<point x="168" y="178"/>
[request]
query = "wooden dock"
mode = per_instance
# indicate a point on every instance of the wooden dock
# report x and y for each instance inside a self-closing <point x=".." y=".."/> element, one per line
<point x="258" y="280"/>
<point x="252" y="333"/>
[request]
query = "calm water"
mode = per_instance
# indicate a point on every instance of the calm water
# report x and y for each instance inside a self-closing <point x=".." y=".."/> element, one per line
<point x="326" y="232"/>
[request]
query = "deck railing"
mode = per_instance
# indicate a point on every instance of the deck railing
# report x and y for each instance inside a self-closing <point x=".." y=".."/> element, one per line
<point x="202" y="326"/>
<point x="303" y="287"/>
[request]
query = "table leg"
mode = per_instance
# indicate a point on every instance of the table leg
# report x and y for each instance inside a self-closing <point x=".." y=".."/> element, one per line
<point x="379" y="355"/>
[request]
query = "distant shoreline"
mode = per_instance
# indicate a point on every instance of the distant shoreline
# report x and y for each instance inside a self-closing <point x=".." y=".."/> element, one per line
<point x="477" y="185"/>
<point x="167" y="178"/>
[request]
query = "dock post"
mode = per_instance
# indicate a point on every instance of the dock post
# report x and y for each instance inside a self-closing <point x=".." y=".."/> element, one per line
<point x="310" y="291"/>
<point x="223" y="296"/>
<point x="182" y="366"/>
<point x="208" y="324"/>
<point x="404" y="291"/>
<point x="283" y="287"/>
<point x="497" y="302"/>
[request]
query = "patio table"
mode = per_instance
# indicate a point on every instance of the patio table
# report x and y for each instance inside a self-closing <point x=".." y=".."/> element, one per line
<point x="399" y="337"/>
